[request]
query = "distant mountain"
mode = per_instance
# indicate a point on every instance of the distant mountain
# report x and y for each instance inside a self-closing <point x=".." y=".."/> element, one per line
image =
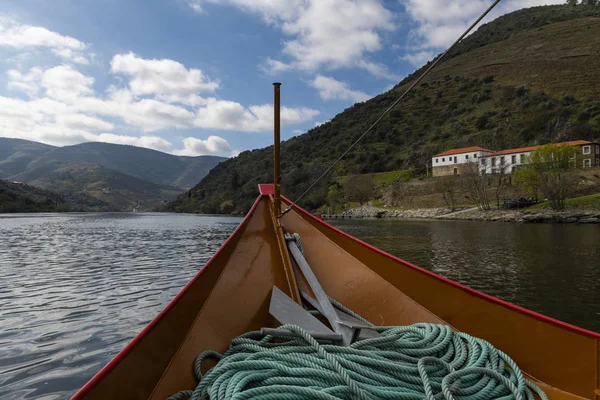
<point x="124" y="177"/>
<point x="123" y="191"/>
<point x="17" y="156"/>
<point x="20" y="197"/>
<point x="529" y="77"/>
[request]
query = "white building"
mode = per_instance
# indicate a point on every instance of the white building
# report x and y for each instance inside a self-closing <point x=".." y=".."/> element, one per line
<point x="506" y="161"/>
<point x="453" y="162"/>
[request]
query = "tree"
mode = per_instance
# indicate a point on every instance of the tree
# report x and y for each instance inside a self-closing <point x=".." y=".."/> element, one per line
<point x="551" y="168"/>
<point x="500" y="187"/>
<point x="572" y="2"/>
<point x="334" y="197"/>
<point x="359" y="188"/>
<point x="476" y="184"/>
<point x="447" y="186"/>
<point x="529" y="180"/>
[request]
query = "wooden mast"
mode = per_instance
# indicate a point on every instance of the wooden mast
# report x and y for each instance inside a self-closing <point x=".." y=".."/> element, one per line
<point x="276" y="155"/>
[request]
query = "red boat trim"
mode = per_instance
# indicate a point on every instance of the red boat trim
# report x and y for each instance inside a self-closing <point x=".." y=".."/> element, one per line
<point x="125" y="351"/>
<point x="457" y="285"/>
<point x="266" y="188"/>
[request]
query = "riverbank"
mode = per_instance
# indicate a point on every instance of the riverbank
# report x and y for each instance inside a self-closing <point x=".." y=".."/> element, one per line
<point x="474" y="214"/>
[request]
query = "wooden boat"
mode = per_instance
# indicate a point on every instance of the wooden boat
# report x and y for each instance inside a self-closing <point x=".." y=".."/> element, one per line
<point x="231" y="294"/>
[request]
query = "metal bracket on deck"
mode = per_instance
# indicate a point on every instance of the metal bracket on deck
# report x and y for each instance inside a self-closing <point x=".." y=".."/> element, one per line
<point x="363" y="330"/>
<point x="287" y="311"/>
<point x="346" y="329"/>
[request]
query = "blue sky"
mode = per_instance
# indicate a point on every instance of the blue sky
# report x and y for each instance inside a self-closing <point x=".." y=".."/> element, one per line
<point x="193" y="77"/>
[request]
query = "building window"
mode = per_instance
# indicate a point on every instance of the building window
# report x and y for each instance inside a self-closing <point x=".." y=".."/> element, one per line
<point x="455" y="171"/>
<point x="474" y="155"/>
<point x="502" y="160"/>
<point x="587" y="149"/>
<point x="482" y="161"/>
<point x="572" y="156"/>
<point x="437" y="160"/>
<point x="493" y="161"/>
<point x="598" y="149"/>
<point x="513" y="159"/>
<point x="455" y="159"/>
<point x="467" y="157"/>
<point x="444" y="159"/>
<point x="522" y="158"/>
<point x="587" y="163"/>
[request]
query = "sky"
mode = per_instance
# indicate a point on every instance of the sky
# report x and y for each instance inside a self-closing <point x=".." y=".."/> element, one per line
<point x="194" y="77"/>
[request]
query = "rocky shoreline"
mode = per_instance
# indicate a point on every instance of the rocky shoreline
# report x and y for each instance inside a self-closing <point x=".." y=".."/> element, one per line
<point x="474" y="214"/>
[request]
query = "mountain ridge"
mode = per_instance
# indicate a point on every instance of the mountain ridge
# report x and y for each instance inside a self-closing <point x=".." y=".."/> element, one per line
<point x="144" y="177"/>
<point x="533" y="95"/>
<point x="147" y="164"/>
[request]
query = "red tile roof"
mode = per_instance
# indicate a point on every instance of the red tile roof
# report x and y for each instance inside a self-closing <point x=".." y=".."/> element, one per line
<point x="463" y="150"/>
<point x="533" y="148"/>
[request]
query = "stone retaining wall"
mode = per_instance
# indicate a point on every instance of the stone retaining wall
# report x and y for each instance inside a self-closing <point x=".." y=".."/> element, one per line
<point x="474" y="214"/>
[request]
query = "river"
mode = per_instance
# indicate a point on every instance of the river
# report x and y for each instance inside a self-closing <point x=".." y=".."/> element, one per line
<point x="75" y="288"/>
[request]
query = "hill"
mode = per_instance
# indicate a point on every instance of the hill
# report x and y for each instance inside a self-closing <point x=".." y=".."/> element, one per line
<point x="150" y="165"/>
<point x="125" y="177"/>
<point x="17" y="156"/>
<point x="20" y="197"/>
<point x="530" y="77"/>
<point x="122" y="191"/>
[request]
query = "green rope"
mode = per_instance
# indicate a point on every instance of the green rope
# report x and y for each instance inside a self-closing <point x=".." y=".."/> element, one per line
<point x="416" y="362"/>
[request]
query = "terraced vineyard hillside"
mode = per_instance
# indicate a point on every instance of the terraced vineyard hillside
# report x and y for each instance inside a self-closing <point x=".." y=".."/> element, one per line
<point x="530" y="77"/>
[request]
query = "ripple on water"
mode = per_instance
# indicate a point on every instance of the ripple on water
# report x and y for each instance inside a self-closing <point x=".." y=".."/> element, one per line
<point x="75" y="288"/>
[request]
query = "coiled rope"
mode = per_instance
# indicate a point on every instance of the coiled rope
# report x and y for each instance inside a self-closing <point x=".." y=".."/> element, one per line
<point x="416" y="362"/>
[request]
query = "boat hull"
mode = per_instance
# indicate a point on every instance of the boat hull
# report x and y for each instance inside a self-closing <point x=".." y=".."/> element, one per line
<point x="230" y="296"/>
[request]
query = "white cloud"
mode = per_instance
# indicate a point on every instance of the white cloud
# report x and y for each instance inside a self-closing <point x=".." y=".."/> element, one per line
<point x="64" y="81"/>
<point x="317" y="124"/>
<point x="214" y="145"/>
<point x="62" y="107"/>
<point x="83" y="122"/>
<point x="332" y="89"/>
<point x="378" y="70"/>
<point x="323" y="33"/>
<point x="150" y="142"/>
<point x="28" y="83"/>
<point x="297" y="131"/>
<point x="161" y="77"/>
<point x="18" y="36"/>
<point x="441" y="22"/>
<point x="420" y="58"/>
<point x="229" y="115"/>
<point x="49" y="121"/>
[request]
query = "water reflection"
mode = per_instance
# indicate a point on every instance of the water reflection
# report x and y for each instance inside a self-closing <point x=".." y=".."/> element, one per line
<point x="75" y="288"/>
<point x="552" y="269"/>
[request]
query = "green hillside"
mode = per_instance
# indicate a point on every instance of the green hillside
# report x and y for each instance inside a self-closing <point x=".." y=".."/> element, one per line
<point x="122" y="191"/>
<point x="530" y="77"/>
<point x="20" y="156"/>
<point x="125" y="177"/>
<point x="150" y="165"/>
<point x="20" y="197"/>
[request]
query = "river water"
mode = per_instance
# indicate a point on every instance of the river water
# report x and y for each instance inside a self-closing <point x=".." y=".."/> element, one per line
<point x="75" y="288"/>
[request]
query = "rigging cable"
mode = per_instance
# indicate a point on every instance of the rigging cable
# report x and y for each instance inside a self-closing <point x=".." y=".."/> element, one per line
<point x="415" y="83"/>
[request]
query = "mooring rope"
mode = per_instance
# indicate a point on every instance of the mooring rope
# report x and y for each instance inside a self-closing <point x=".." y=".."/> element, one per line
<point x="417" y="362"/>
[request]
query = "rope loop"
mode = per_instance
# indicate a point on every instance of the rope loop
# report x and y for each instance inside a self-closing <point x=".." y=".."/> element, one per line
<point x="417" y="362"/>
